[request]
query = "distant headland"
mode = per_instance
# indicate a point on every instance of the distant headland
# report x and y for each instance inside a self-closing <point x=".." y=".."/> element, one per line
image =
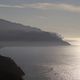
<point x="10" y="31"/>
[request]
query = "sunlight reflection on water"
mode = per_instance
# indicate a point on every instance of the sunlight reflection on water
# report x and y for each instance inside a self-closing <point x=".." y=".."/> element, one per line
<point x="47" y="63"/>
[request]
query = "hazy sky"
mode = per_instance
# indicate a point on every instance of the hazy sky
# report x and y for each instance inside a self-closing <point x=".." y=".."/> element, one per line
<point x="61" y="16"/>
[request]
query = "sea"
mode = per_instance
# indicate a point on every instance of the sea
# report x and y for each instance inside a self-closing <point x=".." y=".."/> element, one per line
<point x="46" y="62"/>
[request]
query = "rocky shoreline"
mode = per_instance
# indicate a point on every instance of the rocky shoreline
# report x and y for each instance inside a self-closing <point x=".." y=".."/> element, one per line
<point x="9" y="70"/>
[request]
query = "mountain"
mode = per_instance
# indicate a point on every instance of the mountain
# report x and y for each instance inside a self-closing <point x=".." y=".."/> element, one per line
<point x="7" y="25"/>
<point x="10" y="31"/>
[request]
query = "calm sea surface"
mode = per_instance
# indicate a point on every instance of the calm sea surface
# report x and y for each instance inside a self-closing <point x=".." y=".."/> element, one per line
<point x="47" y="63"/>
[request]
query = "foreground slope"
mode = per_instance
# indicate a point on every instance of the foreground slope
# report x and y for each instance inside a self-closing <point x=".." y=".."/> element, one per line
<point x="9" y="69"/>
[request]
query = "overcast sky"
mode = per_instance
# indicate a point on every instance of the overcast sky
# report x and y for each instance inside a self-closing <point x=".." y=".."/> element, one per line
<point x="61" y="16"/>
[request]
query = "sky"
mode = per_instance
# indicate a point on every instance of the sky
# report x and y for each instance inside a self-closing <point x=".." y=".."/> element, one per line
<point x="60" y="16"/>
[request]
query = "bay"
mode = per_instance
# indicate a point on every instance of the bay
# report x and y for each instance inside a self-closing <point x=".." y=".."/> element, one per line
<point x="46" y="62"/>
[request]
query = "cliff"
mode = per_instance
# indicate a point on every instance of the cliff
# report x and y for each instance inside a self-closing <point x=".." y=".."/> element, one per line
<point x="9" y="69"/>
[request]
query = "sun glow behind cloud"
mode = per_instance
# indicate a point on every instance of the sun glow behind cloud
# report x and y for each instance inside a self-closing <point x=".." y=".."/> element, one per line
<point x="47" y="6"/>
<point x="73" y="41"/>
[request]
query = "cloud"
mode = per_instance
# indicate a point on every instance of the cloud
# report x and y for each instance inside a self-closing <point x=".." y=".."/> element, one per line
<point x="62" y="6"/>
<point x="46" y="6"/>
<point x="11" y="6"/>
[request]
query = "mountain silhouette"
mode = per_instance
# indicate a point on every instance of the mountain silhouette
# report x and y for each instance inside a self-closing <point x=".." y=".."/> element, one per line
<point x="10" y="31"/>
<point x="9" y="70"/>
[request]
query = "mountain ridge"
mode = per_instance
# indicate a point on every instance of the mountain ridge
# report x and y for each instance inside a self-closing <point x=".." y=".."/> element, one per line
<point x="10" y="31"/>
<point x="15" y="26"/>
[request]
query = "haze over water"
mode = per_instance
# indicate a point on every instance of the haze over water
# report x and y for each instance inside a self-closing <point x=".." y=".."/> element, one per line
<point x="47" y="63"/>
<point x="42" y="62"/>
